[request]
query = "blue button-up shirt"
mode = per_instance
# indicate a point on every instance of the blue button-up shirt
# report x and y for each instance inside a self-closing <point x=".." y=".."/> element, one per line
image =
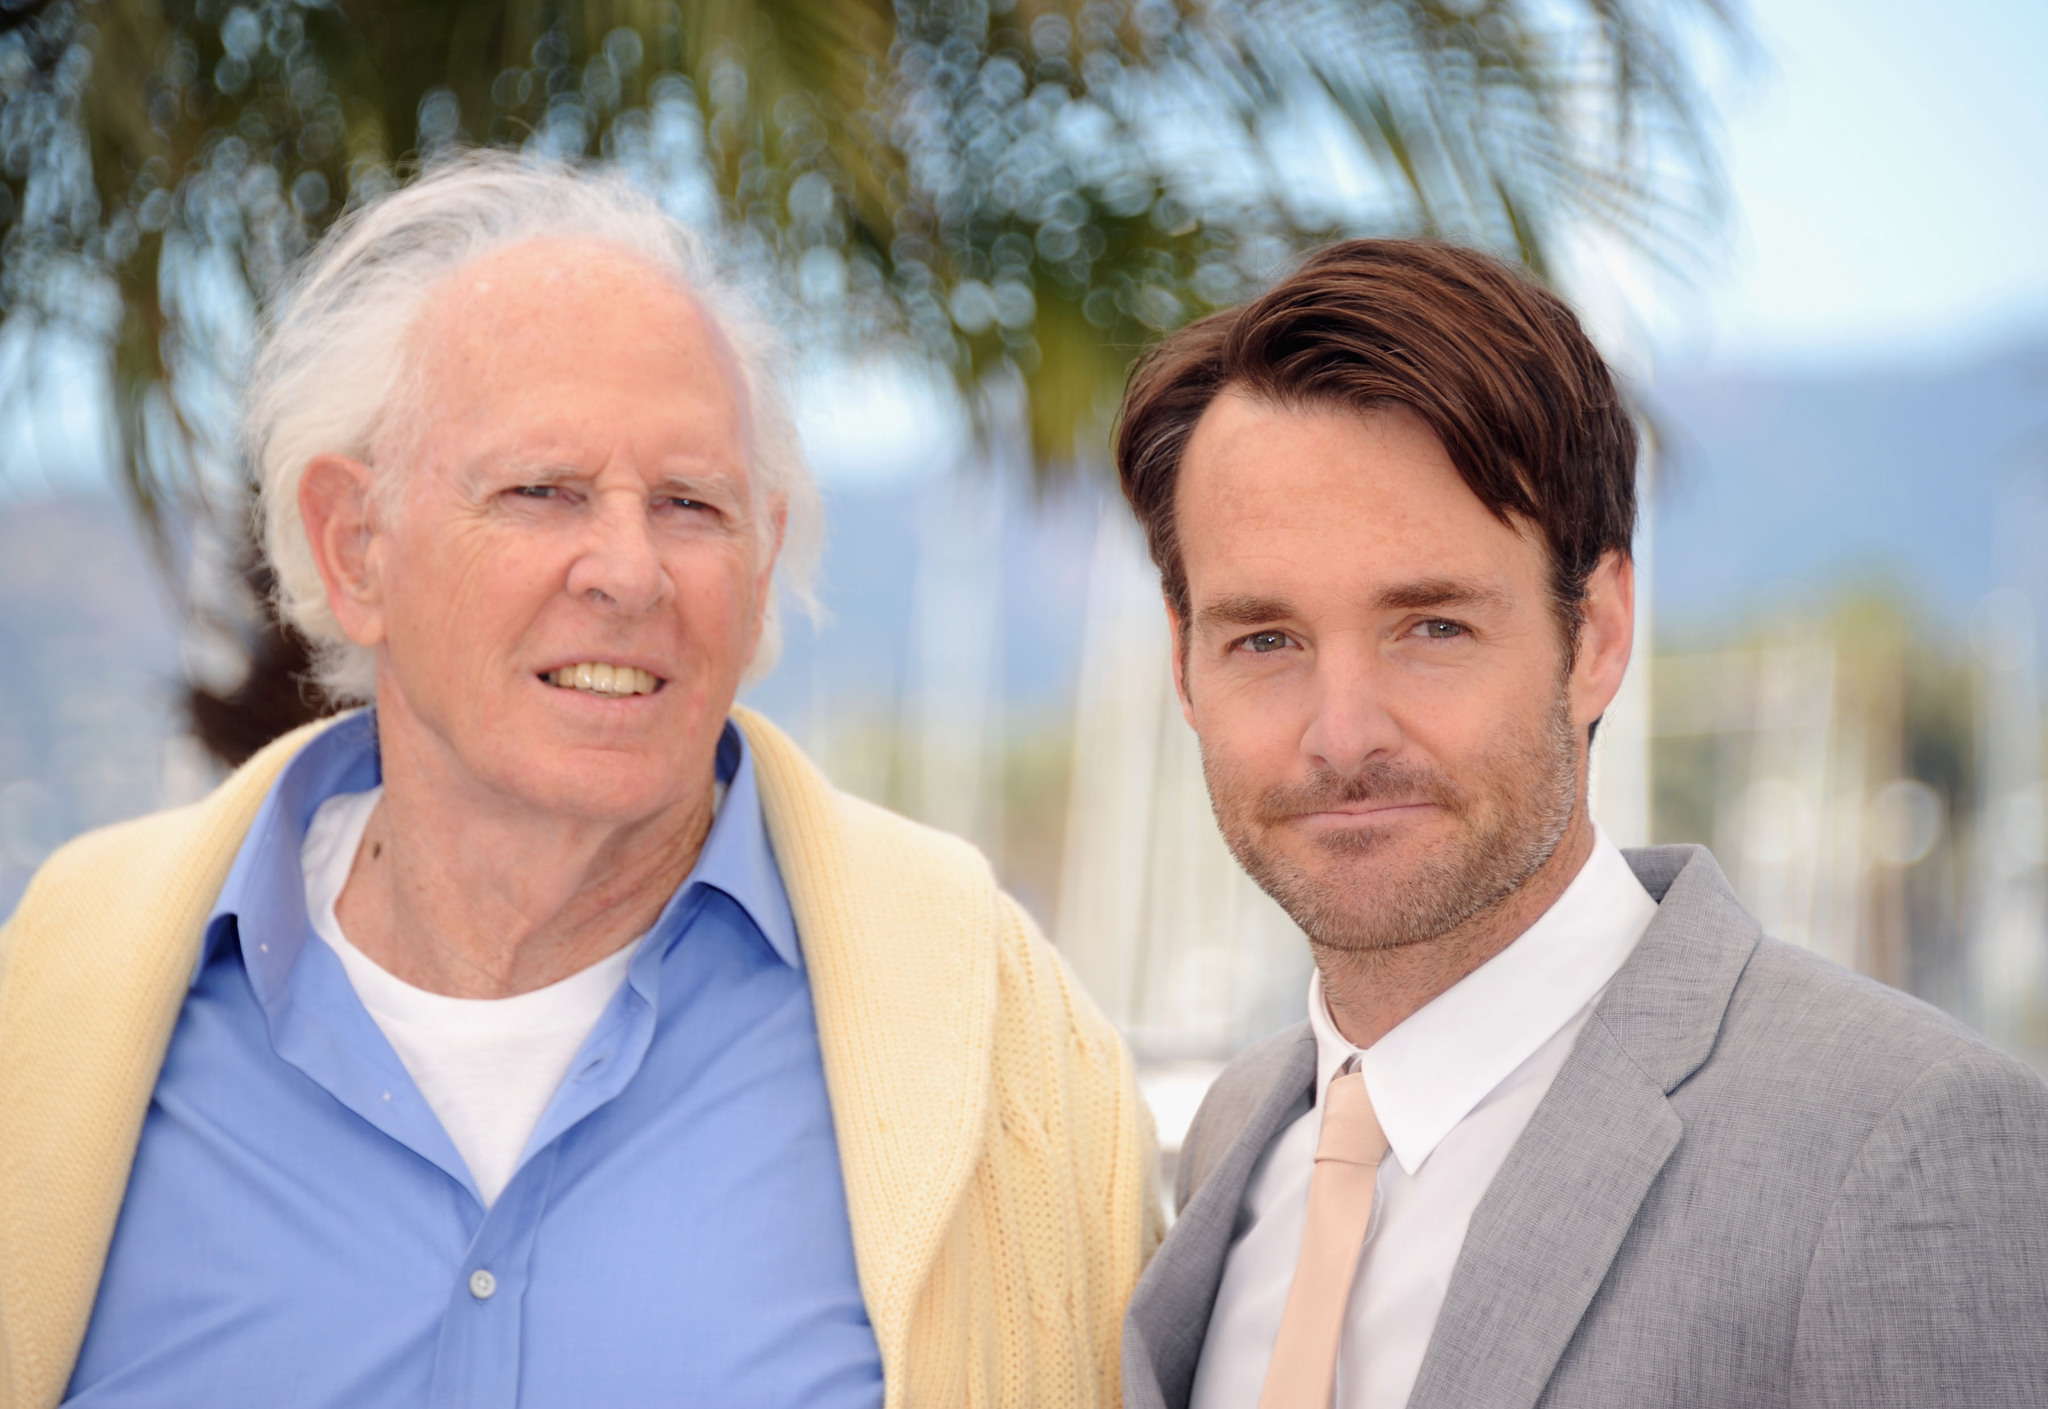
<point x="299" y="1229"/>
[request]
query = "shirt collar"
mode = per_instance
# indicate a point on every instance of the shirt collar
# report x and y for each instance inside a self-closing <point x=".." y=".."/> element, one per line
<point x="264" y="898"/>
<point x="1446" y="1057"/>
<point x="737" y="858"/>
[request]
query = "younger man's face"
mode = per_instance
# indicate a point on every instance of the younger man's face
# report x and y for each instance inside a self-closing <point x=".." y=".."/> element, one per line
<point x="1393" y="736"/>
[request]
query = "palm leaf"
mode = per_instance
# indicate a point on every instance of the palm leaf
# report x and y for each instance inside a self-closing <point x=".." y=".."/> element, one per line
<point x="1023" y="189"/>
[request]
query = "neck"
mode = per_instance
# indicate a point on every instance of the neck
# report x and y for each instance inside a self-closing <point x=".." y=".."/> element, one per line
<point x="464" y="891"/>
<point x="1372" y="991"/>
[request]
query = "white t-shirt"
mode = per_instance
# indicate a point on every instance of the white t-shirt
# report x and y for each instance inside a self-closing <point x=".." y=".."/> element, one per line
<point x="487" y="1066"/>
<point x="1454" y="1085"/>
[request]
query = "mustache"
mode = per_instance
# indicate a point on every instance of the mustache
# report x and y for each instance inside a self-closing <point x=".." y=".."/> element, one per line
<point x="1392" y="784"/>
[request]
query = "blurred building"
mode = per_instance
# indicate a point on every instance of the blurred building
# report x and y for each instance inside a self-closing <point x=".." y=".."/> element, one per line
<point x="1848" y="709"/>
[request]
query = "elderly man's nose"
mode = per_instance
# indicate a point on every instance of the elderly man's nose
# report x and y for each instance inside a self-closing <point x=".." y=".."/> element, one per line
<point x="619" y="566"/>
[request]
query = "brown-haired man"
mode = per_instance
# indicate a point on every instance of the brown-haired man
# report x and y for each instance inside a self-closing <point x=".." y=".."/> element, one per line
<point x="1563" y="1128"/>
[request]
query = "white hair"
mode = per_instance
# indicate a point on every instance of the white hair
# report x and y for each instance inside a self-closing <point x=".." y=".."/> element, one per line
<point x="330" y="362"/>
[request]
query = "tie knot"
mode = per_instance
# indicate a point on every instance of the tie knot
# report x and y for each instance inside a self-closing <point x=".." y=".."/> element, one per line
<point x="1351" y="1132"/>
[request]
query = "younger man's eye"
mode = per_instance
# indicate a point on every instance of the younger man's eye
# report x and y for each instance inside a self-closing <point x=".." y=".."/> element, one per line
<point x="1266" y="641"/>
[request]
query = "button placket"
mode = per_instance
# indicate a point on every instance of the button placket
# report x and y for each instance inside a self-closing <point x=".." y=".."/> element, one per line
<point x="477" y="1363"/>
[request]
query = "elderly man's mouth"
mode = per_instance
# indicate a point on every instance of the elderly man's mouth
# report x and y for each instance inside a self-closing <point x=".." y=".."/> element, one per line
<point x="597" y="678"/>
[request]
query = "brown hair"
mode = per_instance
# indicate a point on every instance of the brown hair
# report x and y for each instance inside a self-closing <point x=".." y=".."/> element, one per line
<point x="1498" y="368"/>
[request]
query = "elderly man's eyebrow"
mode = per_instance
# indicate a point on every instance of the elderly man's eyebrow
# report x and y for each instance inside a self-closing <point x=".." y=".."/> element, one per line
<point x="1432" y="593"/>
<point x="710" y="482"/>
<point x="485" y="470"/>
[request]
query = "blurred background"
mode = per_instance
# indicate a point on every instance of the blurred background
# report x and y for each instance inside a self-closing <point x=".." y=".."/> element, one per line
<point x="1813" y="236"/>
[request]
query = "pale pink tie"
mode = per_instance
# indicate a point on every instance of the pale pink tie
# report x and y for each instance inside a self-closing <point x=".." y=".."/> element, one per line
<point x="1303" y="1372"/>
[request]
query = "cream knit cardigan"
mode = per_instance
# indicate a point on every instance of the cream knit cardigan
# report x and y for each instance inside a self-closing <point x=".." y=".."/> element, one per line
<point x="998" y="1161"/>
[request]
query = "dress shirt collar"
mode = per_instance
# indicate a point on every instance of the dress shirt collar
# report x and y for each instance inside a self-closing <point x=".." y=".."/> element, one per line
<point x="265" y="887"/>
<point x="1446" y="1057"/>
<point x="737" y="858"/>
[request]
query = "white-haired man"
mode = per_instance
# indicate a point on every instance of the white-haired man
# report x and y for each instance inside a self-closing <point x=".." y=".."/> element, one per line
<point x="550" y="1034"/>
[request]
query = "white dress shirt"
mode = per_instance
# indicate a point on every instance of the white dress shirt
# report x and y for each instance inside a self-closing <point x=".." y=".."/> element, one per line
<point x="1453" y="1086"/>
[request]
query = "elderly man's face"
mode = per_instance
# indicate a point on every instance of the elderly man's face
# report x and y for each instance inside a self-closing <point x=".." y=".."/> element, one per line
<point x="570" y="571"/>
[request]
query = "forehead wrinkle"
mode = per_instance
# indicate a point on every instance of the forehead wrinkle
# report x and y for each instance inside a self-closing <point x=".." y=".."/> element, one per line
<point x="443" y="334"/>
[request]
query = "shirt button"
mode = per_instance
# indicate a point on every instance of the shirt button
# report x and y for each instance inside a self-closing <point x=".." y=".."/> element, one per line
<point x="482" y="1284"/>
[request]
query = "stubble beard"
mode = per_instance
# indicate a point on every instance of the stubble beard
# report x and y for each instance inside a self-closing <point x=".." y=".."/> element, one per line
<point x="1358" y="899"/>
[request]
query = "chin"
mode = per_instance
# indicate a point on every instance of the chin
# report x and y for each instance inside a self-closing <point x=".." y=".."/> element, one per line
<point x="1367" y="864"/>
<point x="1372" y="847"/>
<point x="609" y="787"/>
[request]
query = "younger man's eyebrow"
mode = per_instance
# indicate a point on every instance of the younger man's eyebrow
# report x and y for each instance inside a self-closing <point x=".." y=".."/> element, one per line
<point x="1433" y="592"/>
<point x="1426" y="594"/>
<point x="1243" y="611"/>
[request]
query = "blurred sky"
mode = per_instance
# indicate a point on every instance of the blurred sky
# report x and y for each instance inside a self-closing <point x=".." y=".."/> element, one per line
<point x="1889" y="164"/>
<point x="1857" y="393"/>
<point x="1849" y="382"/>
<point x="1888" y="167"/>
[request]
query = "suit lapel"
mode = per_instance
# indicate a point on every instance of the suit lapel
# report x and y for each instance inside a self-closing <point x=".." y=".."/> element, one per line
<point x="1543" y="1237"/>
<point x="1169" y="1312"/>
<point x="902" y="961"/>
<point x="98" y="960"/>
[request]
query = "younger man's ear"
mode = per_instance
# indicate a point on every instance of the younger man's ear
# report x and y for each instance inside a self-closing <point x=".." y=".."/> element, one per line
<point x="1177" y="652"/>
<point x="1607" y="629"/>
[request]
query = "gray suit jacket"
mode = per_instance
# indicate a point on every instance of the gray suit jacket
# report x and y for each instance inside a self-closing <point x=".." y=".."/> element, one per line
<point x="1757" y="1180"/>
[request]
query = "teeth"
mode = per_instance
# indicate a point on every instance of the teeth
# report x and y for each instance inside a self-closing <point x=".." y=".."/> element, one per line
<point x="601" y="679"/>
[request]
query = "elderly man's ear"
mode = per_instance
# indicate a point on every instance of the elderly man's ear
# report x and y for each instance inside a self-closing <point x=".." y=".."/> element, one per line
<point x="338" y="503"/>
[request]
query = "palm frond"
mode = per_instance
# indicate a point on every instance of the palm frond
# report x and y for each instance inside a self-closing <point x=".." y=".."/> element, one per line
<point x="1011" y="189"/>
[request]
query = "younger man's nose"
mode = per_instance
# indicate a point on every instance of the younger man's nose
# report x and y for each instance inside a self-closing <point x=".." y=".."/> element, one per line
<point x="1350" y="724"/>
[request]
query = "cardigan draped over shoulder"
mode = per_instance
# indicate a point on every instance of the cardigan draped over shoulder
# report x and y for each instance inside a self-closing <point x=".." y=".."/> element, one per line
<point x="999" y="1164"/>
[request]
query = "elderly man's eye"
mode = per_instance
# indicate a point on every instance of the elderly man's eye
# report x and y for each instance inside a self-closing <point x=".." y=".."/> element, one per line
<point x="537" y="491"/>
<point x="700" y="513"/>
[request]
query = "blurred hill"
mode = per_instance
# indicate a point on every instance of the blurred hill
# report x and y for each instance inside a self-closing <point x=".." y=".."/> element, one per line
<point x="88" y="700"/>
<point x="1773" y="486"/>
<point x="1779" y="486"/>
<point x="876" y="540"/>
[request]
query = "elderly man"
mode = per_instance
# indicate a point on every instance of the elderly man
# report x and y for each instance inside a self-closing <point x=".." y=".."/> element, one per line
<point x="551" y="1034"/>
